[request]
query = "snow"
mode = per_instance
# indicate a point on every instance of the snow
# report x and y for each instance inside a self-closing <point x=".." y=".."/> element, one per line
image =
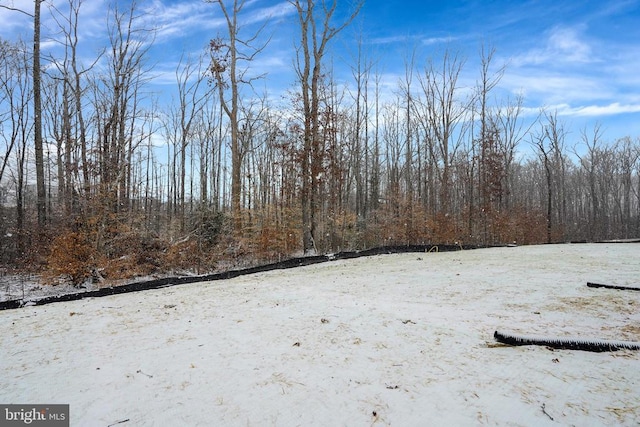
<point x="401" y="340"/>
<point x="29" y="288"/>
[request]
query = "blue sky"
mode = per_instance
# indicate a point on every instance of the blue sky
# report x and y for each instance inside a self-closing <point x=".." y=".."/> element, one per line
<point x="579" y="58"/>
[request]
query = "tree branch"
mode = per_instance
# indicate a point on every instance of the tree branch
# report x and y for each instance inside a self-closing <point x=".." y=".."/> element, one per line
<point x="13" y="9"/>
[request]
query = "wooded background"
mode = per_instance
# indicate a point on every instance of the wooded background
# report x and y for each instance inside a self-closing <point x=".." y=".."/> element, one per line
<point x="98" y="177"/>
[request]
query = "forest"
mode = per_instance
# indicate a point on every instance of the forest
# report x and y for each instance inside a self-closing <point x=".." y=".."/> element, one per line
<point x="99" y="179"/>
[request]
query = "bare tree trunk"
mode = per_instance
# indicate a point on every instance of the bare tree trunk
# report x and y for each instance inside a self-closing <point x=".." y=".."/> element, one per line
<point x="37" y="116"/>
<point x="488" y="138"/>
<point x="375" y="160"/>
<point x="311" y="52"/>
<point x="553" y="132"/>
<point x="547" y="170"/>
<point x="591" y="163"/>
<point x="226" y="58"/>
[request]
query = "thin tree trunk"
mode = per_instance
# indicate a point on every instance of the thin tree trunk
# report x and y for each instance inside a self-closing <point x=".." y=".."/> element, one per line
<point x="37" y="110"/>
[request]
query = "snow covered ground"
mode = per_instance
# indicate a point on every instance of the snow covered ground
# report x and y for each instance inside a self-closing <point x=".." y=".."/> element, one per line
<point x="403" y="340"/>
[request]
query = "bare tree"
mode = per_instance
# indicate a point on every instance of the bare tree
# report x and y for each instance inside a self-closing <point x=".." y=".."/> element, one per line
<point x="406" y="89"/>
<point x="556" y="134"/>
<point x="316" y="32"/>
<point x="17" y="129"/>
<point x="359" y="147"/>
<point x="391" y="137"/>
<point x="73" y="75"/>
<point x="37" y="117"/>
<point x="11" y="74"/>
<point x="117" y="102"/>
<point x="487" y="155"/>
<point x="230" y="56"/>
<point x="628" y="158"/>
<point x="37" y="107"/>
<point x="441" y="118"/>
<point x="549" y="142"/>
<point x="511" y="131"/>
<point x="182" y="118"/>
<point x="374" y="180"/>
<point x="590" y="162"/>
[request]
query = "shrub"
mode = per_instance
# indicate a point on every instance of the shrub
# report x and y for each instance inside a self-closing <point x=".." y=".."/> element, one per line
<point x="71" y="257"/>
<point x="188" y="255"/>
<point x="208" y="225"/>
<point x="132" y="254"/>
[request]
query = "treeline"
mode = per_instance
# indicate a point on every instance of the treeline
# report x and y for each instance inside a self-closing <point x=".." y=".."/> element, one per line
<point x="132" y="186"/>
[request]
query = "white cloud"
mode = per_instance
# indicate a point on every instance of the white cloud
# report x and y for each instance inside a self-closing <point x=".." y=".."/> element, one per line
<point x="181" y="19"/>
<point x="10" y="20"/>
<point x="437" y="40"/>
<point x="426" y="41"/>
<point x="564" y="45"/>
<point x="622" y="66"/>
<point x="280" y="10"/>
<point x="598" y="110"/>
<point x="551" y="88"/>
<point x="391" y="39"/>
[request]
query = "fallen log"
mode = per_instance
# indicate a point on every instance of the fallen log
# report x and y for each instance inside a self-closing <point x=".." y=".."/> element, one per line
<point x="594" y="345"/>
<point x="621" y="288"/>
